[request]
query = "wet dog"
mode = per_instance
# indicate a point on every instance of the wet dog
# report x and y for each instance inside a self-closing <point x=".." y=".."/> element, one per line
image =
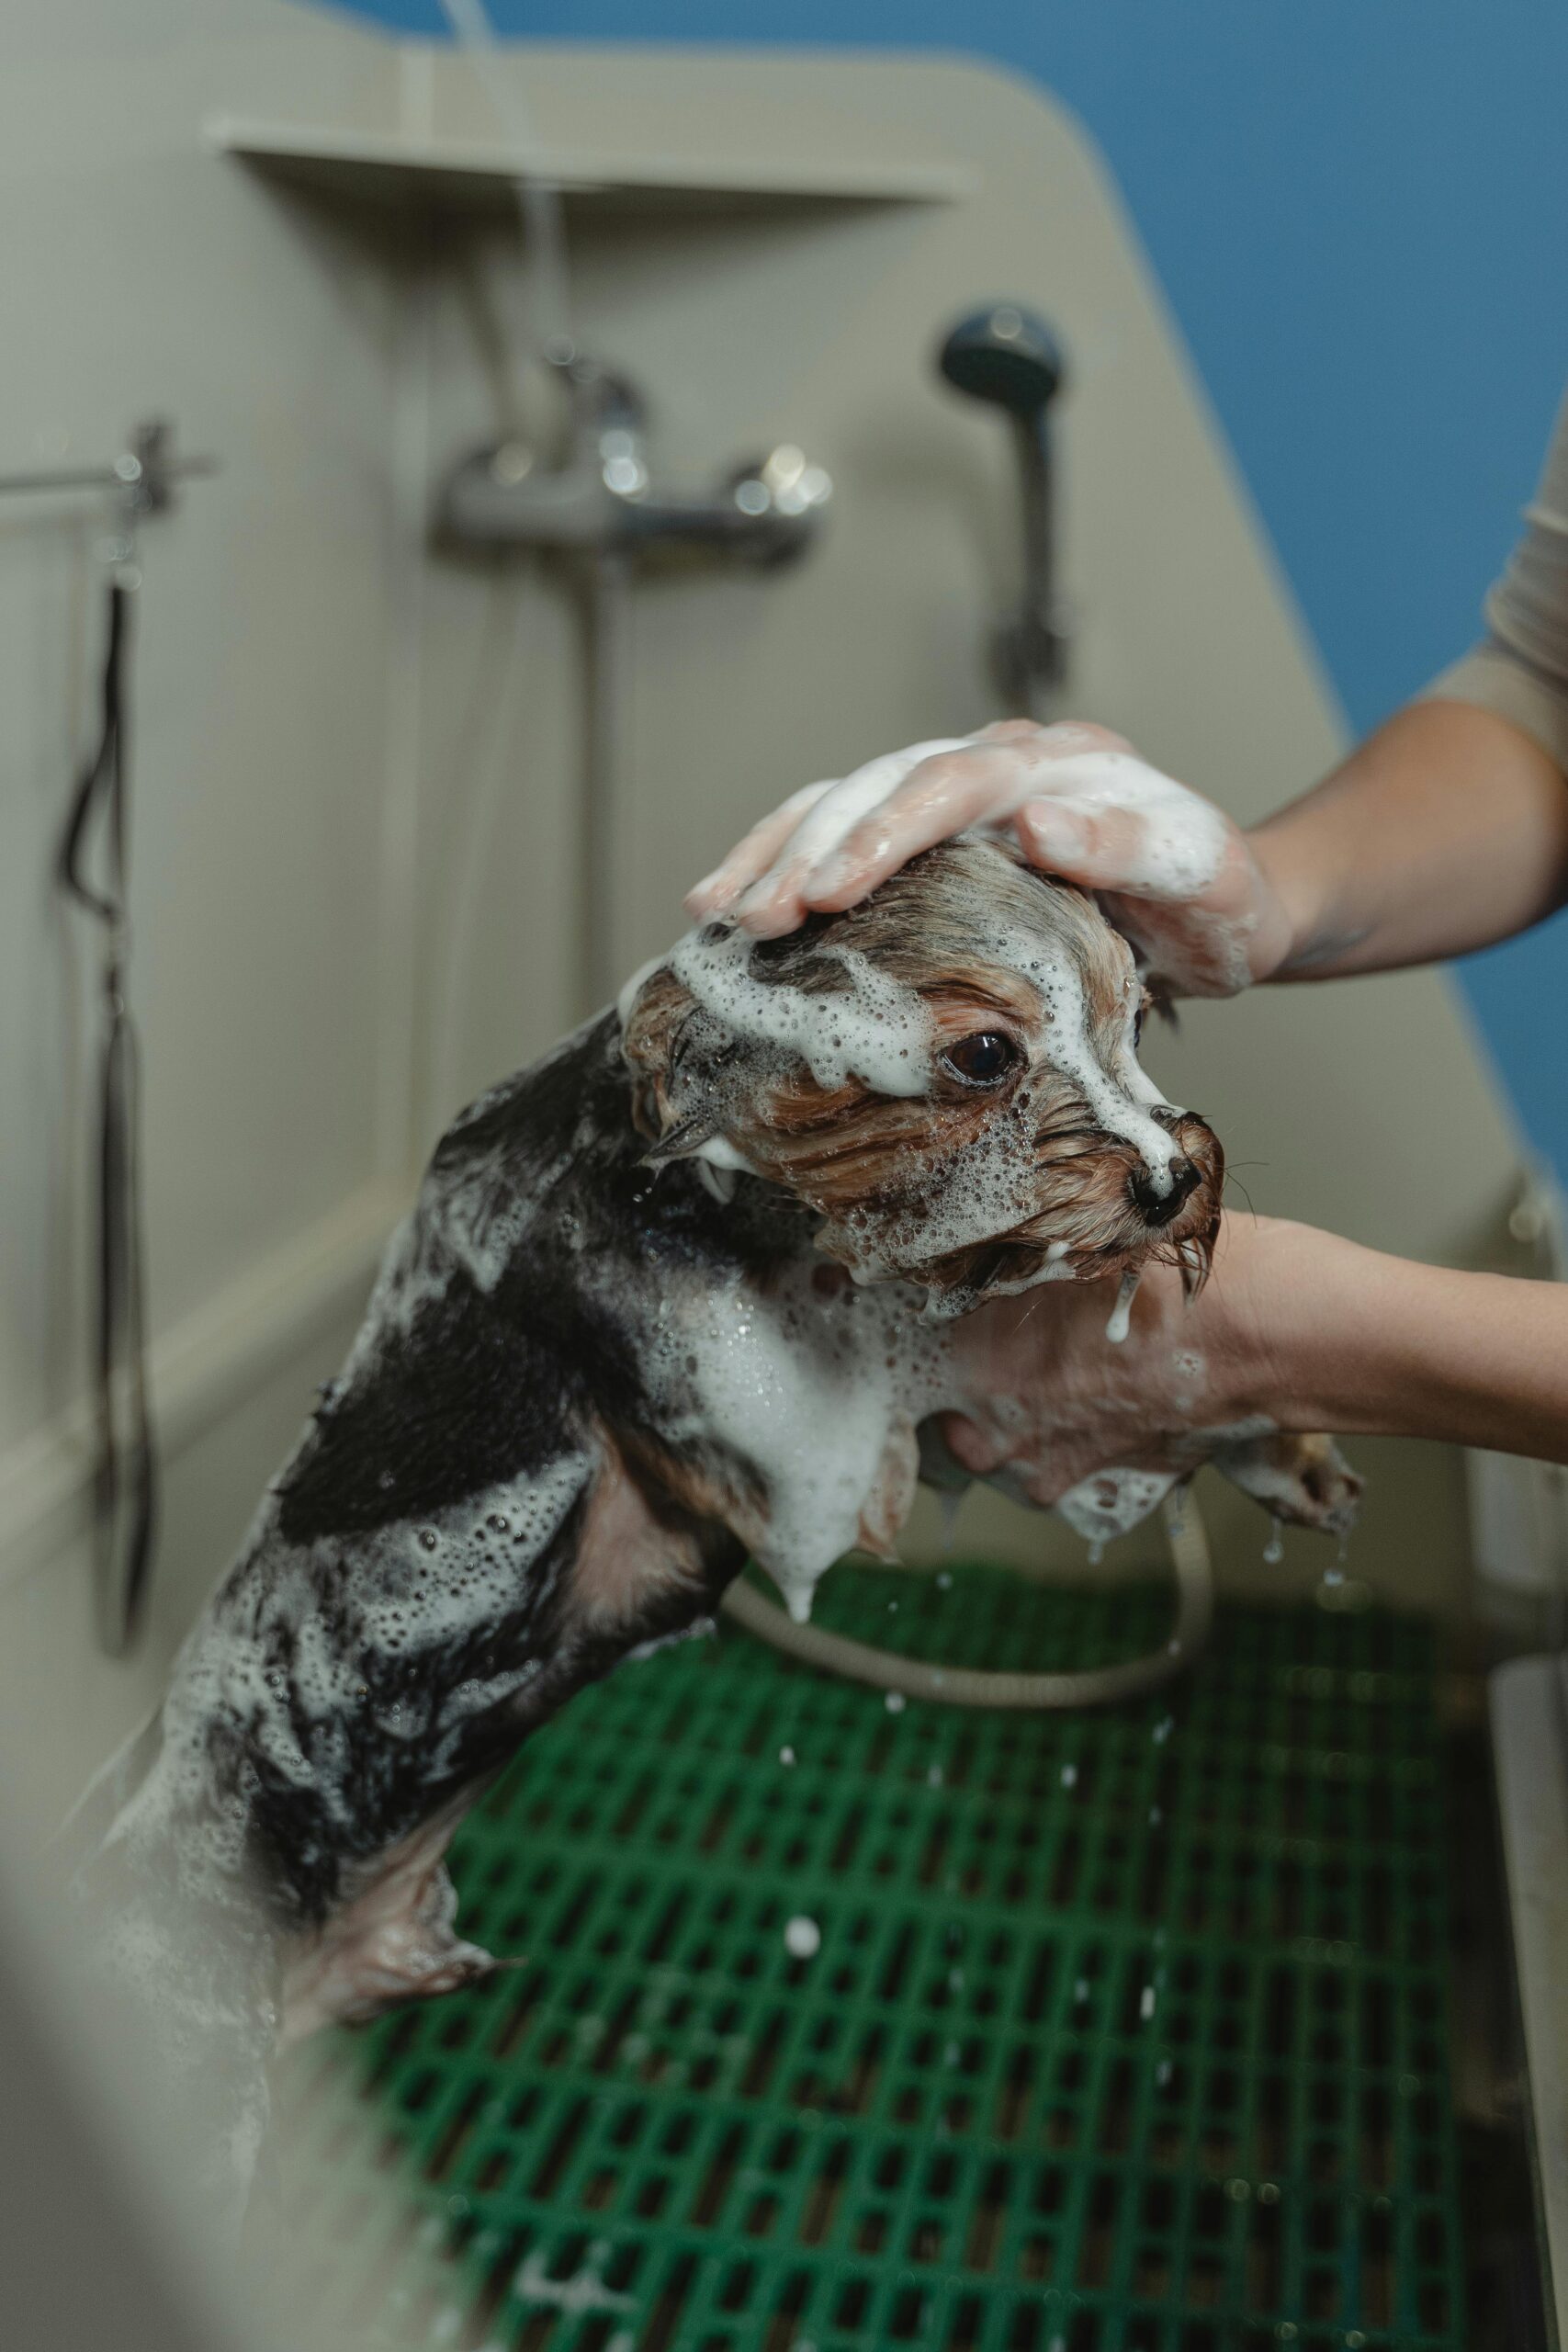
<point x="676" y="1294"/>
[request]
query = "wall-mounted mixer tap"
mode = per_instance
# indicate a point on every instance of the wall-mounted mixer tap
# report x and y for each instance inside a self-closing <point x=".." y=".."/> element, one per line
<point x="1007" y="355"/>
<point x="597" y="511"/>
<point x="602" y="499"/>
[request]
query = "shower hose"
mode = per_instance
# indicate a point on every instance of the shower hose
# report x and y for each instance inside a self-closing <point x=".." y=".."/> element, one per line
<point x="966" y="1686"/>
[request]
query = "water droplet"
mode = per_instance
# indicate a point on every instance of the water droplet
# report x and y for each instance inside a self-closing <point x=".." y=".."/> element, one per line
<point x="895" y="1702"/>
<point x="1274" y="1550"/>
<point x="802" y="1938"/>
<point x="1069" y="1776"/>
<point x="428" y="1539"/>
<point x="786" y="1756"/>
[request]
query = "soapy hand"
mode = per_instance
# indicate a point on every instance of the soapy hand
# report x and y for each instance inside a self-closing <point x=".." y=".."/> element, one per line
<point x="1053" y="1402"/>
<point x="1172" y="870"/>
<point x="1063" y="1416"/>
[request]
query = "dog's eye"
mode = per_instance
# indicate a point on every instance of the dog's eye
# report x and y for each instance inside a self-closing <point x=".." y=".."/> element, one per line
<point x="982" y="1059"/>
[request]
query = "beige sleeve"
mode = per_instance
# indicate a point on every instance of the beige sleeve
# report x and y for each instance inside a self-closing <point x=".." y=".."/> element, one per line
<point x="1520" y="668"/>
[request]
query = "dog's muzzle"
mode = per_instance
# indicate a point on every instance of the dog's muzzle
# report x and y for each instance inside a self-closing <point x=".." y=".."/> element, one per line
<point x="1160" y="1209"/>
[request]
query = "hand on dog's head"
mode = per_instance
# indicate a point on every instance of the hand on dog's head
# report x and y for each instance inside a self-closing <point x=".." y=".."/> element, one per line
<point x="947" y="1074"/>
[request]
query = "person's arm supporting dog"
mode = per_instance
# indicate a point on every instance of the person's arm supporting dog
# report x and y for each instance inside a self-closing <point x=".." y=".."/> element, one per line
<point x="1311" y="1330"/>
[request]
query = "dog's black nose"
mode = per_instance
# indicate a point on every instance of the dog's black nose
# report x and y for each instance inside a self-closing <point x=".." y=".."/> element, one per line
<point x="1158" y="1209"/>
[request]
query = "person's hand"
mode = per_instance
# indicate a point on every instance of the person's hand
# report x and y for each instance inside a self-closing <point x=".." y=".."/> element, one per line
<point x="1172" y="871"/>
<point x="1050" y="1398"/>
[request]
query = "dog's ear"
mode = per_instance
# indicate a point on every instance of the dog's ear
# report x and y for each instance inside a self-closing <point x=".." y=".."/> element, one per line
<point x="1160" y="1001"/>
<point x="685" y="1065"/>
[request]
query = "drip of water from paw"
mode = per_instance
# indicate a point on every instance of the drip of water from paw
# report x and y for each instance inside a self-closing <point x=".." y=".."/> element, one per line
<point x="1274" y="1550"/>
<point x="952" y="1498"/>
<point x="1335" y="1576"/>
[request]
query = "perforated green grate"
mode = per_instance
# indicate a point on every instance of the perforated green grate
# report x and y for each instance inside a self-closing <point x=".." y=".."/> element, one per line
<point x="1126" y="2032"/>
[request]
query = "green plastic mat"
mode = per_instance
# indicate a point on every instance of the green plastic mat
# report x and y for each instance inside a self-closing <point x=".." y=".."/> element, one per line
<point x="1125" y="2033"/>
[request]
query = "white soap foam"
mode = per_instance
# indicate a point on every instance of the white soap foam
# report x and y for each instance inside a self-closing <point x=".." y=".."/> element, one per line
<point x="989" y="1185"/>
<point x="1112" y="1501"/>
<point x="1121" y="1321"/>
<point x="1067" y="1048"/>
<point x="813" y="1395"/>
<point x="421" y="1585"/>
<point x="1178" y="847"/>
<point x="839" y="807"/>
<point x="1181" y="840"/>
<point x="875" y="1029"/>
<point x="584" y="2292"/>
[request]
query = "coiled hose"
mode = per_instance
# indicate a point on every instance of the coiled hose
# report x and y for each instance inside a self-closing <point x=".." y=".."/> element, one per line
<point x="967" y="1686"/>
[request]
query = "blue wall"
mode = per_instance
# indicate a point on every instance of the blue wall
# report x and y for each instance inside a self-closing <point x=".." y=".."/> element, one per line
<point x="1359" y="212"/>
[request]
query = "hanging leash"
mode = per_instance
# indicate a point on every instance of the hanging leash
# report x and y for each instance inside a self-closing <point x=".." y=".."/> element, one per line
<point x="142" y="480"/>
<point x="124" y="1480"/>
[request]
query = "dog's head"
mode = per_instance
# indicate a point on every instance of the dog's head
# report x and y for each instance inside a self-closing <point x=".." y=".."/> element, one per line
<point x="948" y="1074"/>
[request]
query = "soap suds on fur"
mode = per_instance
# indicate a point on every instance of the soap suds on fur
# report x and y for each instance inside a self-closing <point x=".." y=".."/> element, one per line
<point x="815" y="1396"/>
<point x="875" y="1029"/>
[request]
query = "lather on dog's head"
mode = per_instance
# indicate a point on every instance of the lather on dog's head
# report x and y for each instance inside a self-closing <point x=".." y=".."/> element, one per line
<point x="947" y="1073"/>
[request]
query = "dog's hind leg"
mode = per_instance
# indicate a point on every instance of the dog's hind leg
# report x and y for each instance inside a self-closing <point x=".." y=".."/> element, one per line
<point x="392" y="1942"/>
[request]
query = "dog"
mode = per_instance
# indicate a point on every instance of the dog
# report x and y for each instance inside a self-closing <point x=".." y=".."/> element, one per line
<point x="680" y="1294"/>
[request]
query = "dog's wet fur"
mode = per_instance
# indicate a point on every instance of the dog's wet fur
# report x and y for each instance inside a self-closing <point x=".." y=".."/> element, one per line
<point x="530" y="1465"/>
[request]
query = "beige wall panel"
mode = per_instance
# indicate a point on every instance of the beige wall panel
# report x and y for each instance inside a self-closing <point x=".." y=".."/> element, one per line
<point x="359" y="759"/>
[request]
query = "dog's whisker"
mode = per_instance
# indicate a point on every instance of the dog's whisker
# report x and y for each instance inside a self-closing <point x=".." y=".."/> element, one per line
<point x="1232" y="1178"/>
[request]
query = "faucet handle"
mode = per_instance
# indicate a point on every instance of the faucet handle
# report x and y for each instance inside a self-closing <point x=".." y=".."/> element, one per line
<point x="783" y="494"/>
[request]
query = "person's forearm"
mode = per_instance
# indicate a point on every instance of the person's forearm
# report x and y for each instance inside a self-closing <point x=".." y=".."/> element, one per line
<point x="1444" y="830"/>
<point x="1331" y="1335"/>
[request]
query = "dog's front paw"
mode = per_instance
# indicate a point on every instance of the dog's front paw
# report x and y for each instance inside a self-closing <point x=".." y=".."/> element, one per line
<point x="1303" y="1479"/>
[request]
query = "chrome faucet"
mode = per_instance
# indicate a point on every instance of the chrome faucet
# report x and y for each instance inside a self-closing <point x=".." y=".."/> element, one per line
<point x="603" y="500"/>
<point x="599" y="515"/>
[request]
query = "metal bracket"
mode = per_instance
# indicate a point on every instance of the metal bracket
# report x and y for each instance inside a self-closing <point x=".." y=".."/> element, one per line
<point x="143" y="476"/>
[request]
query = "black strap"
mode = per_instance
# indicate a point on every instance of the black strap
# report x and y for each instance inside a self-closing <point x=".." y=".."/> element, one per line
<point x="125" y="1481"/>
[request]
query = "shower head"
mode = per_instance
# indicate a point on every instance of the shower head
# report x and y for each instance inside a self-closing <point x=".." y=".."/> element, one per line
<point x="1008" y="356"/>
<point x="1005" y="354"/>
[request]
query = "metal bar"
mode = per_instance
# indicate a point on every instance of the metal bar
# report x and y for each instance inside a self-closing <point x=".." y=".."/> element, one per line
<point x="124" y="474"/>
<point x="608" y="610"/>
